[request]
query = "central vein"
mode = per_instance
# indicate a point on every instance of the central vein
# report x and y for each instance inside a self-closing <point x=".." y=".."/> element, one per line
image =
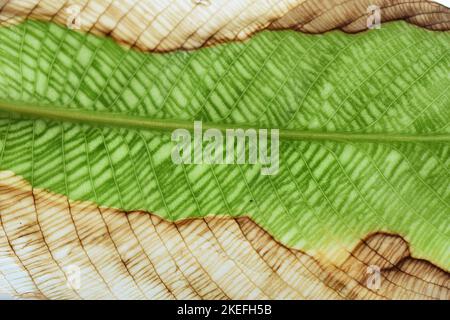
<point x="141" y="122"/>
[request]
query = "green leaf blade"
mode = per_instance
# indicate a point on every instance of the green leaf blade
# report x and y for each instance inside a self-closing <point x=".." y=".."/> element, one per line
<point x="387" y="84"/>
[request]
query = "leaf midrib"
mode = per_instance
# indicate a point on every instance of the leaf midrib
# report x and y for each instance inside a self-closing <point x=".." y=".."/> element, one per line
<point x="141" y="122"/>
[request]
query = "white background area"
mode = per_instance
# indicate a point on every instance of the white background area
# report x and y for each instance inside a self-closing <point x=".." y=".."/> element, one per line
<point x="444" y="2"/>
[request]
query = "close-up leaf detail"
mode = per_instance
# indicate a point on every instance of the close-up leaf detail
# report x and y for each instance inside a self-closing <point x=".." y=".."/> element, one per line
<point x="86" y="154"/>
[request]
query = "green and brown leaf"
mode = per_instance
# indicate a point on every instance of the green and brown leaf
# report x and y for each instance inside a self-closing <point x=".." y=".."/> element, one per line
<point x="85" y="150"/>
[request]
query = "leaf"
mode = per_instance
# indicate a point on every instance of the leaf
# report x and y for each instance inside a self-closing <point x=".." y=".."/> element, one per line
<point x="136" y="255"/>
<point x="332" y="189"/>
<point x="167" y="25"/>
<point x="364" y="148"/>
